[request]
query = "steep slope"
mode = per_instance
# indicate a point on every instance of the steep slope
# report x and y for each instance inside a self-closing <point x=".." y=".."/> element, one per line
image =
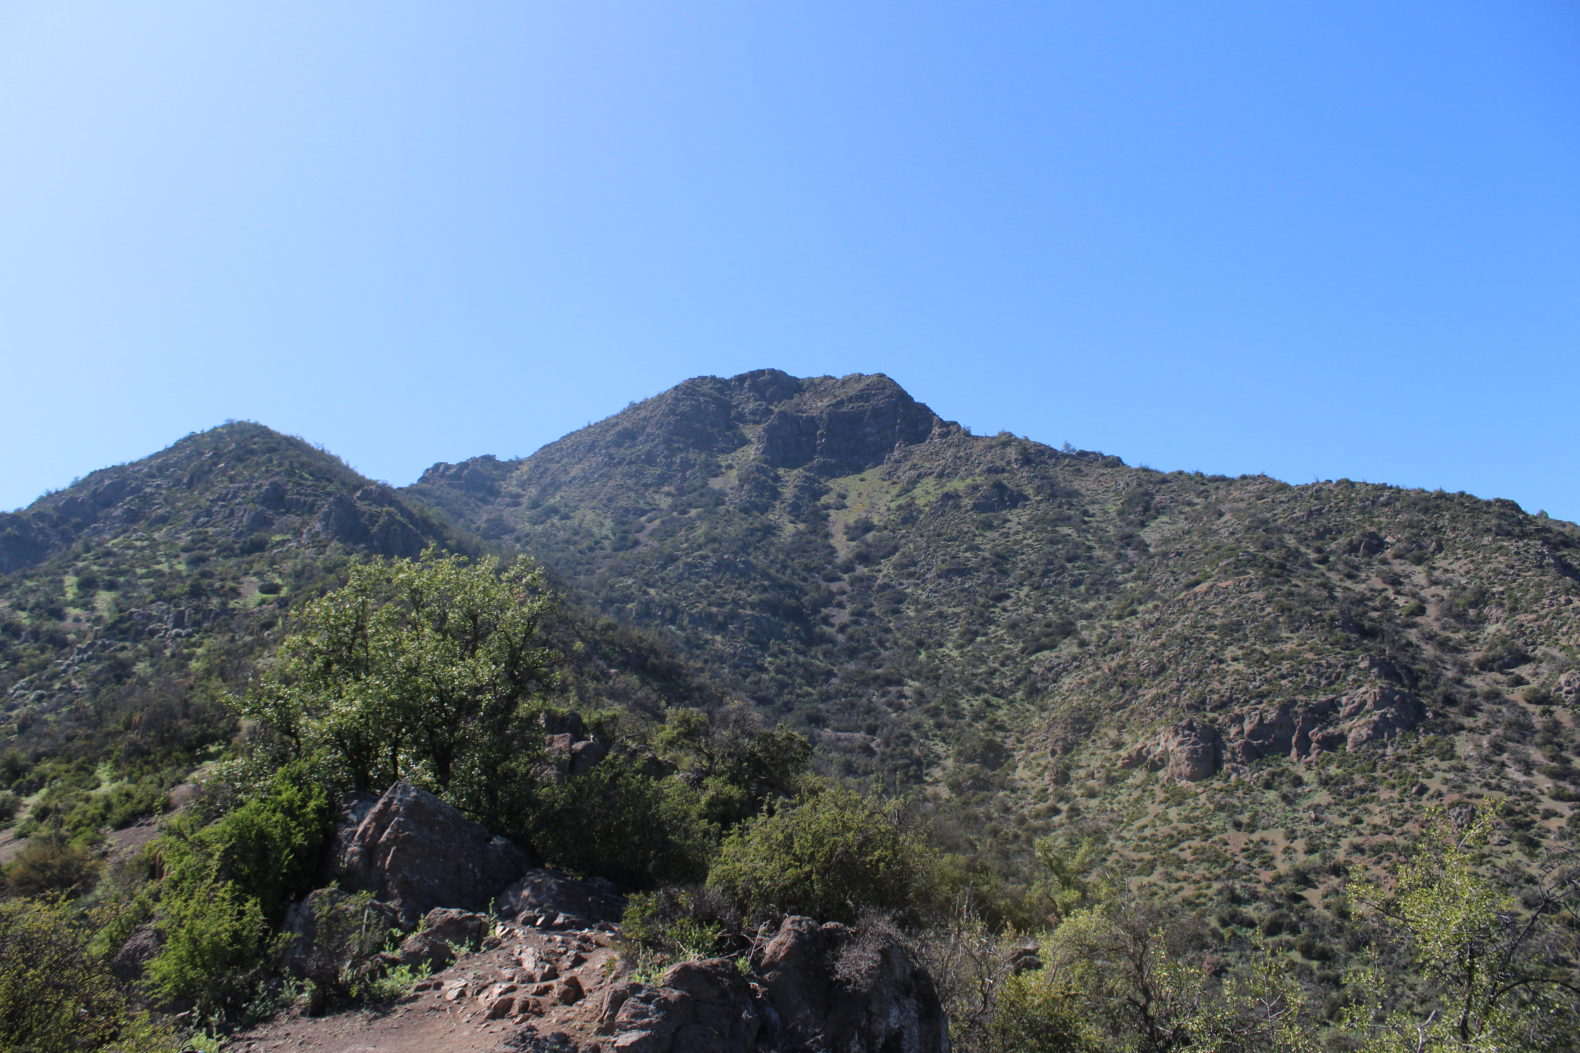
<point x="1042" y="635"/>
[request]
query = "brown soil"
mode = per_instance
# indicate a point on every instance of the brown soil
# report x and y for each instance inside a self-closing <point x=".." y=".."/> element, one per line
<point x="486" y="1001"/>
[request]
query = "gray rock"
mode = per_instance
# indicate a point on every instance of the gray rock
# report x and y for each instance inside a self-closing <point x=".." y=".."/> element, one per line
<point x="545" y="896"/>
<point x="334" y="934"/>
<point x="415" y="853"/>
<point x="443" y="933"/>
<point x="832" y="988"/>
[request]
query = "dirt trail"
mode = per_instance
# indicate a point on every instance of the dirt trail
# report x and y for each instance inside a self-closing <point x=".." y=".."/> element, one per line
<point x="527" y="990"/>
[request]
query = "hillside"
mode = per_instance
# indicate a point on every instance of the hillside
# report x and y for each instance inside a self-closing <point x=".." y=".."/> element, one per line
<point x="1051" y="638"/>
<point x="1085" y="688"/>
<point x="135" y="600"/>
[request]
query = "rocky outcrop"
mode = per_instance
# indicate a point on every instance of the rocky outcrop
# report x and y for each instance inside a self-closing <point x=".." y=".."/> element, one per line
<point x="813" y="987"/>
<point x="414" y="852"/>
<point x="1300" y="729"/>
<point x="1189" y="751"/>
<point x="697" y="1007"/>
<point x="548" y="899"/>
<point x="830" y="987"/>
<point x="845" y="425"/>
<point x="334" y="933"/>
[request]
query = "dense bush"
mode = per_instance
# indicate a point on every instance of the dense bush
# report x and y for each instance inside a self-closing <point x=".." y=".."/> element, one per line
<point x="830" y="856"/>
<point x="56" y="997"/>
<point x="617" y="822"/>
<point x="226" y="885"/>
<point x="50" y="864"/>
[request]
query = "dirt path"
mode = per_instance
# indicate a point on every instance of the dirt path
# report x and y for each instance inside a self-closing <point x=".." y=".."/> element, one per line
<point x="527" y="990"/>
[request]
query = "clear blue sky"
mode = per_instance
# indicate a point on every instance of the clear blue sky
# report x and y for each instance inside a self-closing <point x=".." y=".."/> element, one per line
<point x="1307" y="239"/>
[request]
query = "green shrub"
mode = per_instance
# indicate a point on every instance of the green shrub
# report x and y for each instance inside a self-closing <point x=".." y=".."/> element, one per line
<point x="1037" y="1013"/>
<point x="616" y="822"/>
<point x="56" y="997"/>
<point x="831" y="856"/>
<point x="227" y="884"/>
<point x="50" y="864"/>
<point x="216" y="946"/>
<point x="268" y="847"/>
<point x="690" y="922"/>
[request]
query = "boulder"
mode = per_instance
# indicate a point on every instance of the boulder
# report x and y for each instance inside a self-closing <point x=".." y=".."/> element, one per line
<point x="443" y="932"/>
<point x="827" y="987"/>
<point x="335" y="933"/>
<point x="697" y="1007"/>
<point x="814" y="988"/>
<point x="1192" y="750"/>
<point x="1569" y="687"/>
<point x="414" y="852"/>
<point x="131" y="959"/>
<point x="1379" y="711"/>
<point x="550" y="899"/>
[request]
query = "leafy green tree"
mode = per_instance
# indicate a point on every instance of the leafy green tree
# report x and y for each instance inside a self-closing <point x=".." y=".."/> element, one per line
<point x="739" y="769"/>
<point x="1492" y="975"/>
<point x="831" y="856"/>
<point x="617" y="822"/>
<point x="427" y="670"/>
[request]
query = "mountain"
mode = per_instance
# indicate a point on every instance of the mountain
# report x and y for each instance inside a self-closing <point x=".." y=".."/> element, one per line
<point x="1235" y="689"/>
<point x="1230" y="681"/>
<point x="133" y="600"/>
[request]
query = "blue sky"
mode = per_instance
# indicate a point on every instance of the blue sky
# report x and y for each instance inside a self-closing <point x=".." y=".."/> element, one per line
<point x="1313" y="240"/>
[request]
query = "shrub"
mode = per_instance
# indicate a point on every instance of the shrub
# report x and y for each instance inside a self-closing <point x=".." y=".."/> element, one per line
<point x="55" y="997"/>
<point x="216" y="944"/>
<point x="831" y="856"/>
<point x="616" y="822"/>
<point x="1036" y="1013"/>
<point x="689" y="922"/>
<point x="49" y="864"/>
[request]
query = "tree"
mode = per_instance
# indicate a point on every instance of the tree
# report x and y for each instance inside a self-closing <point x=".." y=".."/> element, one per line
<point x="428" y="670"/>
<point x="1493" y="975"/>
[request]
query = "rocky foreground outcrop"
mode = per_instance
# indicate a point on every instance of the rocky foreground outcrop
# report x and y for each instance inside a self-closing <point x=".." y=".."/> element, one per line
<point x="810" y="987"/>
<point x="414" y="852"/>
<point x="543" y="970"/>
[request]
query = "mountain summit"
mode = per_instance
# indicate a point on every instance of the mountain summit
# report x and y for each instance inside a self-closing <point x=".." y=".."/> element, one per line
<point x="1028" y="628"/>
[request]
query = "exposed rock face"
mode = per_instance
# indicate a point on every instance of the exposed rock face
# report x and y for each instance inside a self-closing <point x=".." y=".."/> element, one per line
<point x="819" y="987"/>
<point x="1189" y="751"/>
<point x="1192" y="750"/>
<point x="478" y="476"/>
<point x="859" y="425"/>
<point x="372" y="520"/>
<point x="415" y="853"/>
<point x="548" y="899"/>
